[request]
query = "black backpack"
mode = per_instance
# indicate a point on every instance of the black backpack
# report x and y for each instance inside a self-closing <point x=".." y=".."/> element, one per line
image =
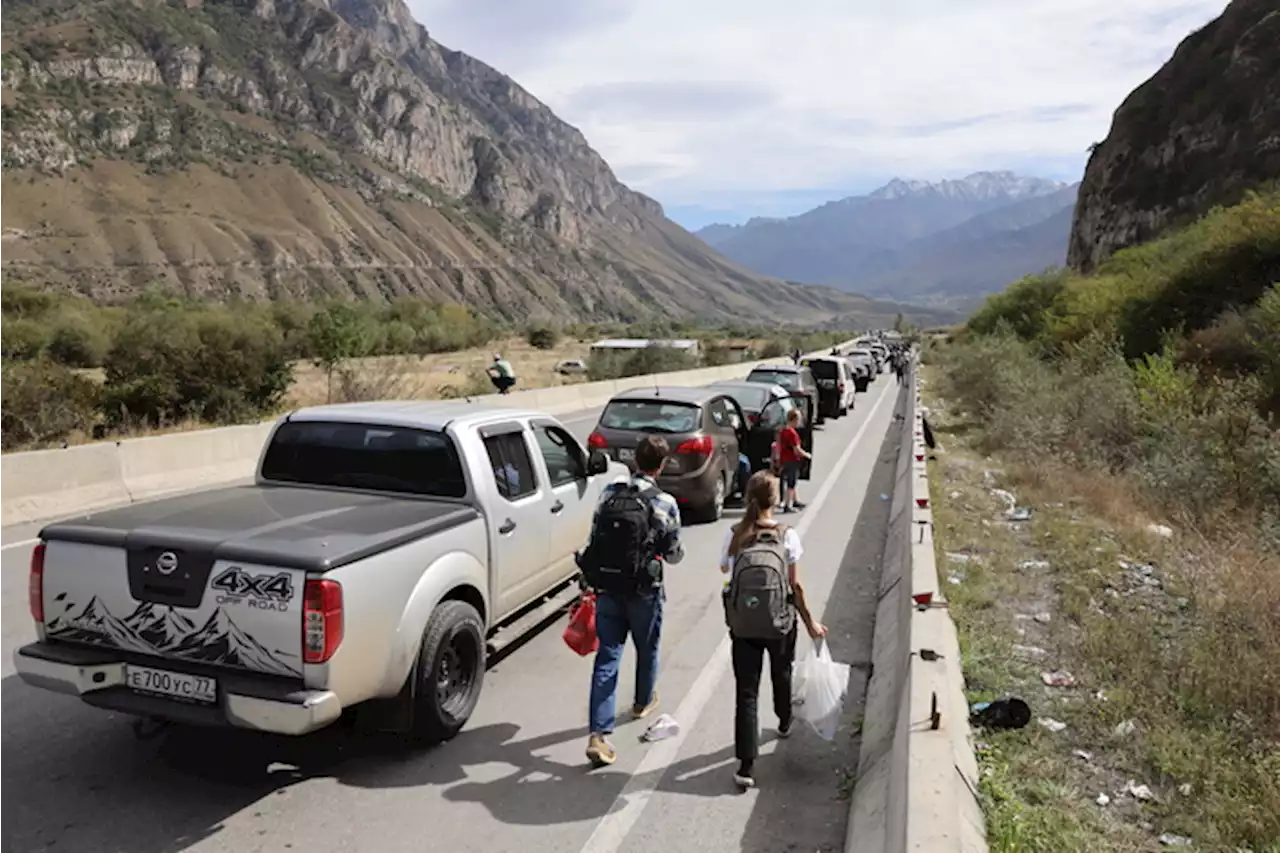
<point x="622" y="547"/>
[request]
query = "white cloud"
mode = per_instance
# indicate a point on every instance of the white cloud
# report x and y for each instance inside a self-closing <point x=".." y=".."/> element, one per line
<point x="730" y="103"/>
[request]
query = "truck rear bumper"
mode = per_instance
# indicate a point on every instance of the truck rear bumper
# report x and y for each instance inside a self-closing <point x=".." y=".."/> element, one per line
<point x="97" y="676"/>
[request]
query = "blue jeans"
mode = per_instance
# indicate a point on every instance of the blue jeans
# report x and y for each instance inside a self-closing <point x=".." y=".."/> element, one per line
<point x="616" y="615"/>
<point x="744" y="472"/>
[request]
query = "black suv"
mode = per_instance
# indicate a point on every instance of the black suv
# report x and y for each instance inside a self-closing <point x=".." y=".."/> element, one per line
<point x="796" y="378"/>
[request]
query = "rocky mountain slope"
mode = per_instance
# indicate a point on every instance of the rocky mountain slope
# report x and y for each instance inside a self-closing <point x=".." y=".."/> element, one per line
<point x="1201" y="131"/>
<point x="263" y="148"/>
<point x="941" y="242"/>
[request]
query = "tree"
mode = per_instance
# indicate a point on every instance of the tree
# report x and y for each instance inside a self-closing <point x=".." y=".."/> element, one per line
<point x="334" y="335"/>
<point x="899" y="323"/>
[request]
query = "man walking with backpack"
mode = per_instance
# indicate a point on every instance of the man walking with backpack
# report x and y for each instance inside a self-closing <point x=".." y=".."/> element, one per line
<point x="762" y="597"/>
<point x="636" y="529"/>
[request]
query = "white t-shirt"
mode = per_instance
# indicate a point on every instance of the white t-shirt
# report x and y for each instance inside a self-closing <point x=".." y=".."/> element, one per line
<point x="791" y="541"/>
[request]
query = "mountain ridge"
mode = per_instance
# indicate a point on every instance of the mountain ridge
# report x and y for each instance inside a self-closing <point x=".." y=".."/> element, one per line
<point x="938" y="242"/>
<point x="269" y="148"/>
<point x="1199" y="133"/>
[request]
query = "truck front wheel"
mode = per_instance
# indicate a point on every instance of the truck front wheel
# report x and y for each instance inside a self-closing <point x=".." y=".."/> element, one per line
<point x="450" y="672"/>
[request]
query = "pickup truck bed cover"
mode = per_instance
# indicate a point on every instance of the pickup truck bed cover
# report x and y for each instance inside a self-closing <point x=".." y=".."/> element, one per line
<point x="309" y="529"/>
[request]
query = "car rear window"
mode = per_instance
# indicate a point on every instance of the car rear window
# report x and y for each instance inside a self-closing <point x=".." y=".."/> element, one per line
<point x="751" y="399"/>
<point x="651" y="416"/>
<point x="822" y="368"/>
<point x="788" y="380"/>
<point x="365" y="456"/>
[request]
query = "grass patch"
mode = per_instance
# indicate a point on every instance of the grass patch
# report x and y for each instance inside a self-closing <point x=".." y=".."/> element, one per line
<point x="1143" y="624"/>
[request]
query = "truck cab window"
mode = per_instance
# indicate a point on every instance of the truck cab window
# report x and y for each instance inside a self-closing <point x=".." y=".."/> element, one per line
<point x="363" y="456"/>
<point x="512" y="465"/>
<point x="562" y="456"/>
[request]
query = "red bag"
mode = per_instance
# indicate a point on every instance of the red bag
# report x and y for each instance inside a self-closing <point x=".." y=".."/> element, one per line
<point x="580" y="633"/>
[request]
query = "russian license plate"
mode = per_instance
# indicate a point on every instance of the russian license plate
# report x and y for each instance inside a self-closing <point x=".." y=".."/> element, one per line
<point x="625" y="455"/>
<point x="178" y="685"/>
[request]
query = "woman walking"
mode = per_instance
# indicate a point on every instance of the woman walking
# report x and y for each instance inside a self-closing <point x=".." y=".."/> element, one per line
<point x="763" y="596"/>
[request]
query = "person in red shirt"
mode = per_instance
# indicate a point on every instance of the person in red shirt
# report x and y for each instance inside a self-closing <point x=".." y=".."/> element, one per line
<point x="790" y="454"/>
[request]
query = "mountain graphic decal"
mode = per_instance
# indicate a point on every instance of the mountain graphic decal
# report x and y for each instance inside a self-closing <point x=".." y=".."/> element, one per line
<point x="95" y="624"/>
<point x="160" y="629"/>
<point x="220" y="640"/>
<point x="159" y="624"/>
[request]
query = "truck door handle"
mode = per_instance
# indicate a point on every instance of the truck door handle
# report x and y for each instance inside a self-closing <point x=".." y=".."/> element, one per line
<point x="507" y="527"/>
<point x="557" y="507"/>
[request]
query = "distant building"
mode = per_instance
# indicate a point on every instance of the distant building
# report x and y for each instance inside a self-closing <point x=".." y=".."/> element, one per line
<point x="628" y="344"/>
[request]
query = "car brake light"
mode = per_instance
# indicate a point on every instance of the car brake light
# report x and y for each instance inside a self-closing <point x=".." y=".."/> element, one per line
<point x="596" y="441"/>
<point x="841" y="387"/>
<point x="703" y="445"/>
<point x="752" y="420"/>
<point x="35" y="583"/>
<point x="321" y="620"/>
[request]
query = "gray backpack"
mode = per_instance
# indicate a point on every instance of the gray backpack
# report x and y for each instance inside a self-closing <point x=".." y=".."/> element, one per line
<point x="758" y="602"/>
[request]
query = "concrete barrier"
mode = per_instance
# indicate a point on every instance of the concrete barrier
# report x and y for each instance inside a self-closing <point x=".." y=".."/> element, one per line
<point x="917" y="776"/>
<point x="167" y="464"/>
<point x="43" y="484"/>
<point x="47" y="483"/>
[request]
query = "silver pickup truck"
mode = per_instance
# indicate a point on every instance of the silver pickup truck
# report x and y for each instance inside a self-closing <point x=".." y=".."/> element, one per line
<point x="378" y="548"/>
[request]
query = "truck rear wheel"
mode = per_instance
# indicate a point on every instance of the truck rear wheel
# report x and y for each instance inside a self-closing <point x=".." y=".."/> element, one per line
<point x="450" y="672"/>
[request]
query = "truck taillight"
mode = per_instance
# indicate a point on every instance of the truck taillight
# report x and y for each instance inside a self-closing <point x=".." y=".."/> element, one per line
<point x="321" y="620"/>
<point x="596" y="441"/>
<point x="703" y="445"/>
<point x="841" y="387"/>
<point x="35" y="583"/>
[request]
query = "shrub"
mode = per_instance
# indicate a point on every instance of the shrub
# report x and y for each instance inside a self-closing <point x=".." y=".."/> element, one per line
<point x="640" y="362"/>
<point x="45" y="403"/>
<point x="542" y="337"/>
<point x="175" y="364"/>
<point x="21" y="338"/>
<point x="77" y="342"/>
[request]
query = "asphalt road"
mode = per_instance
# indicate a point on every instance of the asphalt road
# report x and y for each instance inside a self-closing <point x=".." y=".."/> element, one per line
<point x="76" y="779"/>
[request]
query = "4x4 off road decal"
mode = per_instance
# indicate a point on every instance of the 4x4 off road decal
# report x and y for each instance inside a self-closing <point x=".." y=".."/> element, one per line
<point x="259" y="592"/>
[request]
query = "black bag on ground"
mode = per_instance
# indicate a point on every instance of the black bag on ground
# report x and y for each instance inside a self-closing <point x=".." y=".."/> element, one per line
<point x="617" y="559"/>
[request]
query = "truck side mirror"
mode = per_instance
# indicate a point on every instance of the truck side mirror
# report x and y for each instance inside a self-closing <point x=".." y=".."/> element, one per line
<point x="597" y="462"/>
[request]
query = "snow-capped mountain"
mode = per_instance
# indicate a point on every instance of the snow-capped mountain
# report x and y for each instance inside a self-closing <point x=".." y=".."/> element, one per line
<point x="874" y="242"/>
<point x="220" y="640"/>
<point x="979" y="186"/>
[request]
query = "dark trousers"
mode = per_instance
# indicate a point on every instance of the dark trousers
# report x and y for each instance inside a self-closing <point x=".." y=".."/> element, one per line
<point x="748" y="660"/>
<point x="502" y="383"/>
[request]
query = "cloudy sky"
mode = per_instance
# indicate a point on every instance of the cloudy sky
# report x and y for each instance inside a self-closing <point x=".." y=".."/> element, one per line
<point x="727" y="109"/>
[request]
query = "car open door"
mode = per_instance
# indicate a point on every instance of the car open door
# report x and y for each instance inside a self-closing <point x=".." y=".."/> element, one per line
<point x="805" y="403"/>
<point x="763" y="432"/>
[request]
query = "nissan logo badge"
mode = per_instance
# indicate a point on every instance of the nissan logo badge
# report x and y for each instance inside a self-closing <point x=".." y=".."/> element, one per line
<point x="167" y="562"/>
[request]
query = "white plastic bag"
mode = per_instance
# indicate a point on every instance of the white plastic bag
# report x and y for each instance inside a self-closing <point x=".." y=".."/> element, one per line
<point x="818" y="688"/>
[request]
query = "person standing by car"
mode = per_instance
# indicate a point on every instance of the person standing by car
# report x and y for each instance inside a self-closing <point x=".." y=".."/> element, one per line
<point x="635" y="530"/>
<point x="501" y="374"/>
<point x="790" y="456"/>
<point x="762" y="597"/>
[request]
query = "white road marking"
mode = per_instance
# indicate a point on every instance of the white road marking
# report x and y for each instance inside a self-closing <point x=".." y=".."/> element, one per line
<point x="614" y="827"/>
<point x="21" y="544"/>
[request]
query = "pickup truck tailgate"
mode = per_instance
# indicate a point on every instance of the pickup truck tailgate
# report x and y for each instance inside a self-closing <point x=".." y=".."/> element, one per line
<point x="175" y="603"/>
